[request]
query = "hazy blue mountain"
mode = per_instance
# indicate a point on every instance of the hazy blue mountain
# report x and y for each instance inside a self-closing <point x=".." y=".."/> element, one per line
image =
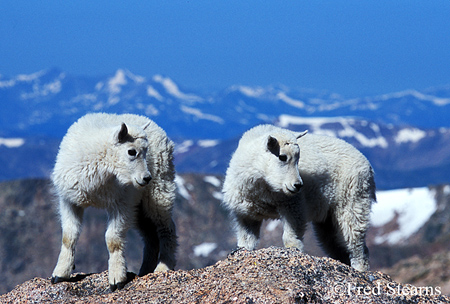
<point x="406" y="135"/>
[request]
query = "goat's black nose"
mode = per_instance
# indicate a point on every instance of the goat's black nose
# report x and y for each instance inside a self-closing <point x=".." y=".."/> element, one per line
<point x="298" y="186"/>
<point x="147" y="179"/>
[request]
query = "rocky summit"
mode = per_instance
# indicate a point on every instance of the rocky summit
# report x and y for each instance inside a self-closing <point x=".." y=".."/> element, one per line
<point x="271" y="275"/>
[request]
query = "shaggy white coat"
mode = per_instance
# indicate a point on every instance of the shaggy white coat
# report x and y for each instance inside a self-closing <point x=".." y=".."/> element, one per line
<point x="124" y="164"/>
<point x="337" y="191"/>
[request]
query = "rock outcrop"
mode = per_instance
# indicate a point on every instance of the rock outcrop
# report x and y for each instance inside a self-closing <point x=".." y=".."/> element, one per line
<point x="271" y="275"/>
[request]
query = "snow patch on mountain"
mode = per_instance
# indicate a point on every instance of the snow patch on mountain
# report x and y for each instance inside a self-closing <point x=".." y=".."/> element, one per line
<point x="273" y="224"/>
<point x="173" y="89"/>
<point x="409" y="135"/>
<point x="181" y="186"/>
<point x="154" y="93"/>
<point x="200" y="115"/>
<point x="53" y="87"/>
<point x="21" y="78"/>
<point x="254" y="92"/>
<point x="7" y="83"/>
<point x="218" y="195"/>
<point x="183" y="147"/>
<point x="150" y="110"/>
<point x="208" y="143"/>
<point x="412" y="207"/>
<point x="116" y="82"/>
<point x="12" y="142"/>
<point x="204" y="249"/>
<point x="446" y="190"/>
<point x="213" y="181"/>
<point x="317" y="125"/>
<point x="439" y="101"/>
<point x="291" y="101"/>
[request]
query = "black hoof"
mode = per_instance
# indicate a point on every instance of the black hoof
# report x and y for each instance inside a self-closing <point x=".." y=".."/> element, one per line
<point x="117" y="286"/>
<point x="121" y="285"/>
<point x="56" y="280"/>
<point x="236" y="251"/>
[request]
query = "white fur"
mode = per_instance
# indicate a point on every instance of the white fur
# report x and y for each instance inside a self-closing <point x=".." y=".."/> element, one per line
<point x="337" y="193"/>
<point x="106" y="161"/>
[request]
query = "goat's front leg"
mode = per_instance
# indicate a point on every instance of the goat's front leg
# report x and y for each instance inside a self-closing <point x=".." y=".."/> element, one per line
<point x="118" y="225"/>
<point x="294" y="225"/>
<point x="247" y="231"/>
<point x="71" y="218"/>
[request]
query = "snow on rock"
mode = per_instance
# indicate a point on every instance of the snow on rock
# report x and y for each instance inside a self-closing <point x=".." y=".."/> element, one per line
<point x="447" y="190"/>
<point x="204" y="249"/>
<point x="182" y="190"/>
<point x="272" y="225"/>
<point x="216" y="183"/>
<point x="412" y="206"/>
<point x="213" y="181"/>
<point x="218" y="195"/>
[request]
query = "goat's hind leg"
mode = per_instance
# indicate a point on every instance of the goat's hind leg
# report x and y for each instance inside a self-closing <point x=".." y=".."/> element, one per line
<point x="167" y="246"/>
<point x="71" y="219"/>
<point x="148" y="231"/>
<point x="344" y="240"/>
<point x="331" y="240"/>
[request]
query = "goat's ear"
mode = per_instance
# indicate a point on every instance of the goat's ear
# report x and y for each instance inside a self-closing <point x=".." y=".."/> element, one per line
<point x="121" y="133"/>
<point x="301" y="134"/>
<point x="273" y="146"/>
<point x="146" y="125"/>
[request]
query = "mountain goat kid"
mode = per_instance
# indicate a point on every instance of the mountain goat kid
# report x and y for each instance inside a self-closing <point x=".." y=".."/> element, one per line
<point x="332" y="185"/>
<point x="124" y="164"/>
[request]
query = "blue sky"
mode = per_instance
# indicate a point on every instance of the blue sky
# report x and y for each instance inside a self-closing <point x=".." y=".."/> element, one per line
<point x="352" y="47"/>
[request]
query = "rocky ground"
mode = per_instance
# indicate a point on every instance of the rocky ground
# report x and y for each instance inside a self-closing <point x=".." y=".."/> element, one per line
<point x="30" y="238"/>
<point x="271" y="275"/>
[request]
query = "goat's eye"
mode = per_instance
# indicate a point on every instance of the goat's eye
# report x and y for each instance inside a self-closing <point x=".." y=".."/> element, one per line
<point x="283" y="157"/>
<point x="132" y="152"/>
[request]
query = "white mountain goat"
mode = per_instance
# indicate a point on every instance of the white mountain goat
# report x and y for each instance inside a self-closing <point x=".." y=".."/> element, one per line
<point x="332" y="185"/>
<point x="124" y="164"/>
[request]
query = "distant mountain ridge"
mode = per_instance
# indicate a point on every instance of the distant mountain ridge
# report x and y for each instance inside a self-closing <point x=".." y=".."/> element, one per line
<point x="405" y="135"/>
<point x="47" y="102"/>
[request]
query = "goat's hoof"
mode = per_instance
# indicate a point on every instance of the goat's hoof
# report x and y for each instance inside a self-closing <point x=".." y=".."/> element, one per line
<point x="56" y="280"/>
<point x="236" y="250"/>
<point x="117" y="286"/>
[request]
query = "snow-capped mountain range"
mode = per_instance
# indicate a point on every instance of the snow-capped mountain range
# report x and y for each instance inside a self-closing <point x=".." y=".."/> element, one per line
<point x="406" y="135"/>
<point x="47" y="102"/>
